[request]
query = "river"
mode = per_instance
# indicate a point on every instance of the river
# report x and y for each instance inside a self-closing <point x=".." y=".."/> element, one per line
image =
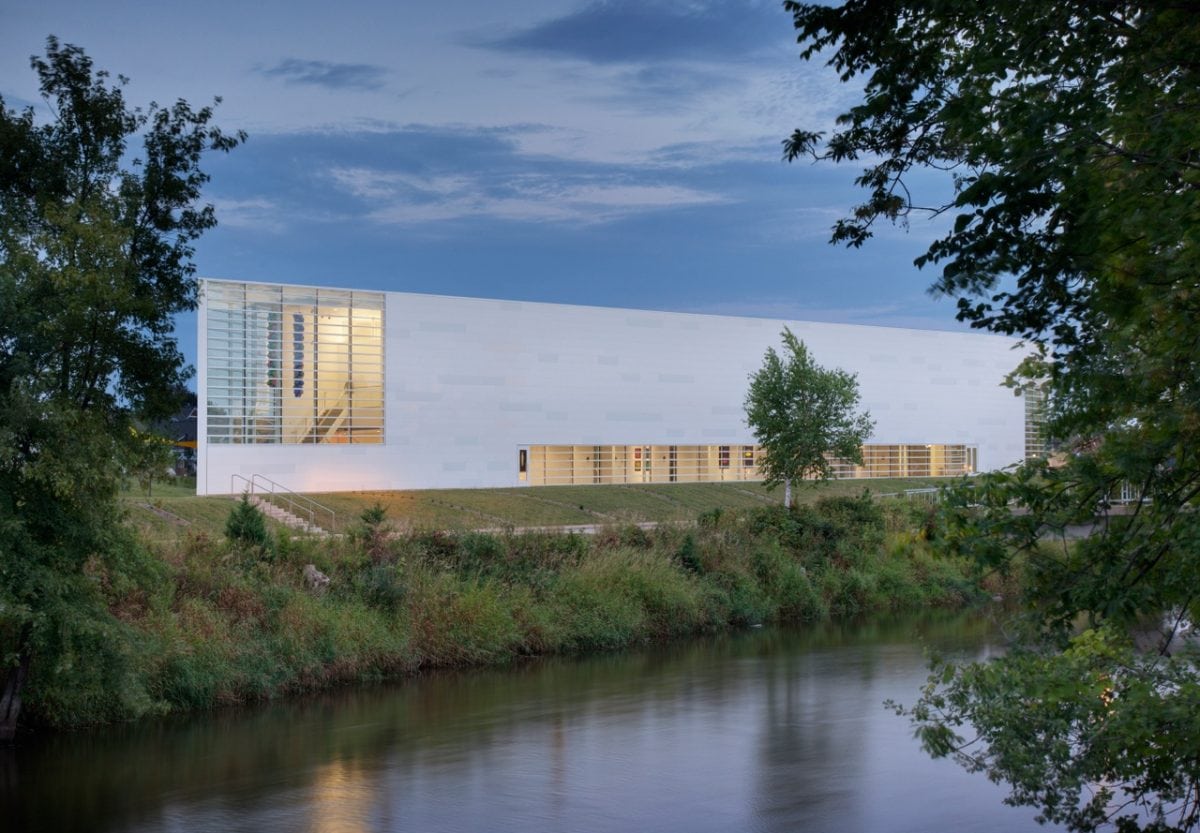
<point x="765" y="730"/>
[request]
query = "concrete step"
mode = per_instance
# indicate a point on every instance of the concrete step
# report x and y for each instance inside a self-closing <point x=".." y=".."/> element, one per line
<point x="283" y="516"/>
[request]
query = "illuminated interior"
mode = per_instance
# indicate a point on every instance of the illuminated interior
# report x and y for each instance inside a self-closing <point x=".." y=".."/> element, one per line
<point x="546" y="465"/>
<point x="294" y="365"/>
<point x="1035" y="421"/>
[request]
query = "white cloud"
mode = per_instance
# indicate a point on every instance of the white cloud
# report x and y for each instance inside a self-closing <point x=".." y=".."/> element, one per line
<point x="372" y="184"/>
<point x="408" y="62"/>
<point x="407" y="199"/>
<point x="256" y="213"/>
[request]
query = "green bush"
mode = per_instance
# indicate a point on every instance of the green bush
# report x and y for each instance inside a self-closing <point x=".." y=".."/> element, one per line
<point x="373" y="516"/>
<point x="481" y="554"/>
<point x="462" y="622"/>
<point x="372" y="533"/>
<point x="246" y="525"/>
<point x="688" y="556"/>
<point x="381" y="586"/>
<point x="743" y="598"/>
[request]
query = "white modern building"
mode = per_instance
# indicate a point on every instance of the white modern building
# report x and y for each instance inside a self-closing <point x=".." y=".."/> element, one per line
<point x="334" y="390"/>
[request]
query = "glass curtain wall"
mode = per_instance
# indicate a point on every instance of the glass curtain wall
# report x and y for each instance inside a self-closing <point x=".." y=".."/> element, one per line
<point x="1035" y="422"/>
<point x="546" y="465"/>
<point x="294" y="365"/>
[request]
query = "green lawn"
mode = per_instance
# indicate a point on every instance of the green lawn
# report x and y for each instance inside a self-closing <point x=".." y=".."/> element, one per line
<point x="460" y="509"/>
<point x="171" y="513"/>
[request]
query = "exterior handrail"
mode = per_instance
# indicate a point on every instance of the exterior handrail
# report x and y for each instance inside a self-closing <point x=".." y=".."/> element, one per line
<point x="926" y="494"/>
<point x="297" y="504"/>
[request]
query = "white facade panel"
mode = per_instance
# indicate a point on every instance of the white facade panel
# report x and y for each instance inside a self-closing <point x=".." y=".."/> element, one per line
<point x="470" y="381"/>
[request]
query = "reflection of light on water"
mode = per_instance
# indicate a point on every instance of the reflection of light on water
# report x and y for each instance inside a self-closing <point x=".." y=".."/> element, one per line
<point x="770" y="731"/>
<point x="341" y="799"/>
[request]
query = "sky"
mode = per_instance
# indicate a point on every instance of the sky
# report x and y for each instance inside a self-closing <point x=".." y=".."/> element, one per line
<point x="616" y="153"/>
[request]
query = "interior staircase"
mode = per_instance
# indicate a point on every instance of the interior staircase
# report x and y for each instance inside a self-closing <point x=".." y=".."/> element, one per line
<point x="326" y="422"/>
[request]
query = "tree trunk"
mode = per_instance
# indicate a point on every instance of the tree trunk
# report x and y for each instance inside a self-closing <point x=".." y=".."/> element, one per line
<point x="787" y="492"/>
<point x="10" y="698"/>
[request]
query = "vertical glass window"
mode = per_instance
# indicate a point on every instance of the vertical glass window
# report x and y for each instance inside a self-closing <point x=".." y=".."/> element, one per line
<point x="294" y="365"/>
<point x="747" y="456"/>
<point x="1035" y="421"/>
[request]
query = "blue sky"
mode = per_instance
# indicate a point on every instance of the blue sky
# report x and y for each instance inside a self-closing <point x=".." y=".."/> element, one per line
<point x="613" y="153"/>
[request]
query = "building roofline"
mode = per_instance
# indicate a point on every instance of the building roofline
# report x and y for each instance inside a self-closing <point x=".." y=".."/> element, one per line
<point x="709" y="315"/>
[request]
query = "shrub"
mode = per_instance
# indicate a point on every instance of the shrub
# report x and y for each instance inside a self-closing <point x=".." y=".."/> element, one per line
<point x="481" y="554"/>
<point x="849" y="592"/>
<point x="381" y="586"/>
<point x="246" y="525"/>
<point x="688" y="557"/>
<point x="373" y="516"/>
<point x="372" y="533"/>
<point x="438" y="546"/>
<point x="462" y="622"/>
<point x="744" y="601"/>
<point x="592" y="608"/>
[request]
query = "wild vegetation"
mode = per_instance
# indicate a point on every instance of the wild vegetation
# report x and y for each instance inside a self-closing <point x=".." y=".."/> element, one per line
<point x="100" y="206"/>
<point x="1067" y="133"/>
<point x="222" y="620"/>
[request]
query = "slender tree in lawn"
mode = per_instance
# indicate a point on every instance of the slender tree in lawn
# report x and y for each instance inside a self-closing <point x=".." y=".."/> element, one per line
<point x="95" y="261"/>
<point x="1068" y="133"/>
<point x="802" y="415"/>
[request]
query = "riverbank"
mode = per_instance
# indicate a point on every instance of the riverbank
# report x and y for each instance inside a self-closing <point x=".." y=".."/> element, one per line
<point x="220" y="622"/>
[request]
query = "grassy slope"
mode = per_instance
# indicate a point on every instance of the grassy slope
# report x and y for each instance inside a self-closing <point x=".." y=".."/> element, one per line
<point x="459" y="509"/>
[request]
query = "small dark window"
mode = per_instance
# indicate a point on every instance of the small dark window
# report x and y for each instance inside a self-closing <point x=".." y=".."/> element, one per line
<point x="748" y="456"/>
<point x="522" y="461"/>
<point x="723" y="456"/>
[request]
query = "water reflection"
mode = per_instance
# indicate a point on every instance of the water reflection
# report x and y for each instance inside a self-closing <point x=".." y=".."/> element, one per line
<point x="769" y="730"/>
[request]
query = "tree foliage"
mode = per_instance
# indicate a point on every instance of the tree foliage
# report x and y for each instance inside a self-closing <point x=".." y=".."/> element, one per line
<point x="802" y="415"/>
<point x="95" y="261"/>
<point x="1070" y="133"/>
<point x="246" y="525"/>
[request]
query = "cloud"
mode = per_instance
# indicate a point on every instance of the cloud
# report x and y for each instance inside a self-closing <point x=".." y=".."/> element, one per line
<point x="335" y="76"/>
<point x="255" y="213"/>
<point x="637" y="31"/>
<point x="667" y="88"/>
<point x="685" y="155"/>
<point x="408" y="198"/>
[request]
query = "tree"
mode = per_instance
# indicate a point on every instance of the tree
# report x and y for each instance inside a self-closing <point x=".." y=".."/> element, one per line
<point x="151" y="457"/>
<point x="1070" y="133"/>
<point x="802" y="414"/>
<point x="247" y="526"/>
<point x="95" y="260"/>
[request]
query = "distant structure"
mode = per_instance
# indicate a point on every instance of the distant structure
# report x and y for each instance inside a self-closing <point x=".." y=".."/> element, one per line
<point x="335" y="390"/>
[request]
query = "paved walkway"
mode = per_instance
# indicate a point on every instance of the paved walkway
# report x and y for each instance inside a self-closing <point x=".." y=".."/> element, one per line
<point x="579" y="529"/>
